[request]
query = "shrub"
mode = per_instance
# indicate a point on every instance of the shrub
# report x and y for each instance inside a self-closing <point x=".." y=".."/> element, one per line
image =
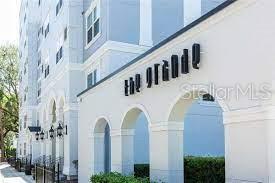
<point x="204" y="169"/>
<point x="116" y="178"/>
<point x="142" y="170"/>
<point x="196" y="170"/>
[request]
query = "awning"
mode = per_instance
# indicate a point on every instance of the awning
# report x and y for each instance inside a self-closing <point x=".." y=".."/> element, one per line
<point x="34" y="128"/>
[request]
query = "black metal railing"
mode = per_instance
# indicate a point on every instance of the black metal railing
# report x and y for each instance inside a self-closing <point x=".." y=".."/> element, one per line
<point x="23" y="164"/>
<point x="48" y="170"/>
<point x="18" y="165"/>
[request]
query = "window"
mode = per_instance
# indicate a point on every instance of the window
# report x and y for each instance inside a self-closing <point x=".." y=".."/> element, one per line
<point x="25" y="17"/>
<point x="58" y="6"/>
<point x="25" y="149"/>
<point x="25" y="94"/>
<point x="65" y="33"/>
<point x="59" y="54"/>
<point x="25" y="121"/>
<point x="39" y="89"/>
<point x="25" y="66"/>
<point x="92" y="79"/>
<point x="39" y="61"/>
<point x="20" y="124"/>
<point x="47" y="30"/>
<point x="92" y="22"/>
<point x="47" y="71"/>
<point x="59" y="48"/>
<point x="20" y="77"/>
<point x="37" y="117"/>
<point x="20" y="151"/>
<point x="39" y="2"/>
<point x="42" y="68"/>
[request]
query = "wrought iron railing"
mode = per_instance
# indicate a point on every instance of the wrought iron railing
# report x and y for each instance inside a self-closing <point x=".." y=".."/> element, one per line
<point x="48" y="170"/>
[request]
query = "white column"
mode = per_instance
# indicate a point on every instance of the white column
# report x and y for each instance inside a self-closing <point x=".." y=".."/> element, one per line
<point x="35" y="150"/>
<point x="166" y="152"/>
<point x="247" y="145"/>
<point x="146" y="23"/>
<point x="271" y="144"/>
<point x="122" y="151"/>
<point x="70" y="143"/>
<point x="192" y="10"/>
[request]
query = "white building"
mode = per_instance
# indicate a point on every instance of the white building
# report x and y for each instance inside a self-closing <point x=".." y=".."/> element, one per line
<point x="69" y="46"/>
<point x="54" y="44"/>
<point x="230" y="57"/>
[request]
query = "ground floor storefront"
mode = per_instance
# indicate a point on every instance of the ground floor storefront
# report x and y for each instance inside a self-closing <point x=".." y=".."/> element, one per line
<point x="223" y="58"/>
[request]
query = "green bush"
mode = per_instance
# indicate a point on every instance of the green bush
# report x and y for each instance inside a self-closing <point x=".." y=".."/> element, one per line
<point x="117" y="178"/>
<point x="10" y="152"/>
<point x="196" y="170"/>
<point x="142" y="170"/>
<point x="204" y="170"/>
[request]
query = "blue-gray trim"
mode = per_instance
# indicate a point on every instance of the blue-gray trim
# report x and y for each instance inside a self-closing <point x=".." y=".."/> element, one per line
<point x="34" y="128"/>
<point x="180" y="32"/>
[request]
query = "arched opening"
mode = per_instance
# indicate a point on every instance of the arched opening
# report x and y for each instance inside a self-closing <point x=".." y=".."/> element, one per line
<point x="135" y="143"/>
<point x="102" y="147"/>
<point x="203" y="136"/>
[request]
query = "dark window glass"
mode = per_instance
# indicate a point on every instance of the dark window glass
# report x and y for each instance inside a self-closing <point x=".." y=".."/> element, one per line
<point x="90" y="80"/>
<point x="96" y="27"/>
<point x="47" y="30"/>
<point x="58" y="6"/>
<point x="90" y="34"/>
<point x="95" y="77"/>
<point x="59" y="54"/>
<point x="56" y="9"/>
<point x="57" y="57"/>
<point x="65" y="33"/>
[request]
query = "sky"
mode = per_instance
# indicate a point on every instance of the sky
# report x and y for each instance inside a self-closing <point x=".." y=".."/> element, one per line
<point x="9" y="21"/>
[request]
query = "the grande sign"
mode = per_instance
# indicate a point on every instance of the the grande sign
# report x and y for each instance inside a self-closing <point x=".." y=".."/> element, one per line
<point x="133" y="84"/>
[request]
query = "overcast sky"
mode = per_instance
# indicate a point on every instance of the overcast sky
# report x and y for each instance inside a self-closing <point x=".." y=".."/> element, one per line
<point x="9" y="12"/>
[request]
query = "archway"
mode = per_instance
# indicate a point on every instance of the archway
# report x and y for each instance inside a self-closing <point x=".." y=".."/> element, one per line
<point x="135" y="141"/>
<point x="102" y="146"/>
<point x="203" y="136"/>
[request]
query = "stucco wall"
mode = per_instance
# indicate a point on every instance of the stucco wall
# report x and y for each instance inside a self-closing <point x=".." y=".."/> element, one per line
<point x="227" y="39"/>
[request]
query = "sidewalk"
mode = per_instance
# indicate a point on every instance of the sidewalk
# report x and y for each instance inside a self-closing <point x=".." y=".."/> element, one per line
<point x="9" y="175"/>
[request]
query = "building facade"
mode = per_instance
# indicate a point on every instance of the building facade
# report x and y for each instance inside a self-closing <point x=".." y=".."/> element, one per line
<point x="222" y="55"/>
<point x="51" y="78"/>
<point x="69" y="46"/>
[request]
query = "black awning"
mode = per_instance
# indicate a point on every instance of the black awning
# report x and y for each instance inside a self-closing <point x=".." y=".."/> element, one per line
<point x="34" y="128"/>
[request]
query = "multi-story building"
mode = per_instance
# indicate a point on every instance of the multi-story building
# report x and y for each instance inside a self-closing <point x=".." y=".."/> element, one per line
<point x="67" y="46"/>
<point x="27" y="76"/>
<point x="51" y="47"/>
